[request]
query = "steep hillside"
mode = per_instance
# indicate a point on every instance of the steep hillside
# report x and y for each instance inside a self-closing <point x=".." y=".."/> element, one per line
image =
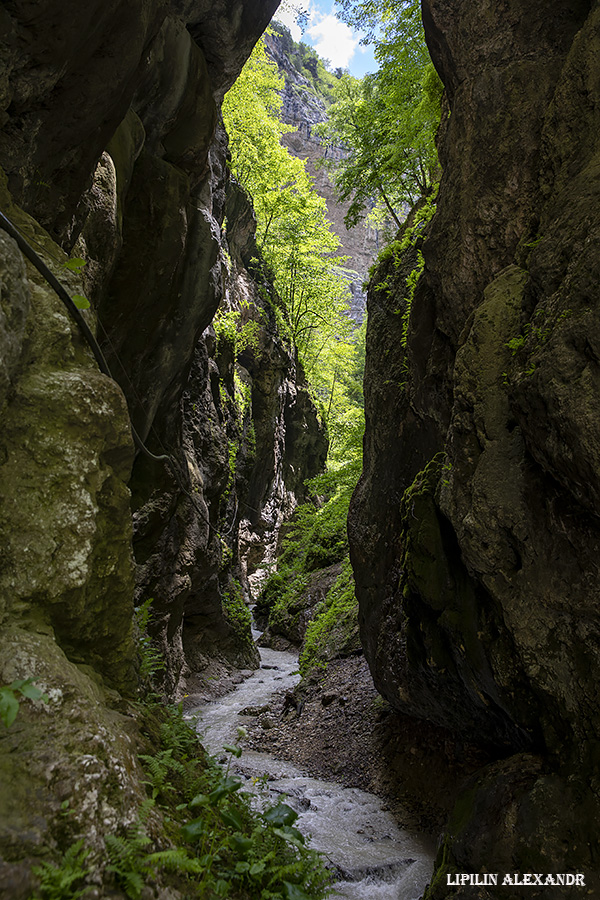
<point x="474" y="529"/>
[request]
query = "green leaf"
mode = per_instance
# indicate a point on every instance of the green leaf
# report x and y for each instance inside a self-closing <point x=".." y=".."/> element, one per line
<point x="257" y="868"/>
<point x="74" y="264"/>
<point x="282" y="814"/>
<point x="291" y="835"/>
<point x="80" y="301"/>
<point x="235" y="751"/>
<point x="9" y="706"/>
<point x="240" y="844"/>
<point x="32" y="692"/>
<point x="229" y="786"/>
<point x="232" y="818"/>
<point x="193" y="830"/>
<point x="293" y="892"/>
<point x="242" y="867"/>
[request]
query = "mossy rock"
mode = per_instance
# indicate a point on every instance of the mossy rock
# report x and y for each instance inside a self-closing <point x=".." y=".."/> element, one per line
<point x="68" y="766"/>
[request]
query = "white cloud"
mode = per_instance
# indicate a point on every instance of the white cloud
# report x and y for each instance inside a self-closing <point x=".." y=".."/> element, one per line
<point x="333" y="39"/>
<point x="286" y="14"/>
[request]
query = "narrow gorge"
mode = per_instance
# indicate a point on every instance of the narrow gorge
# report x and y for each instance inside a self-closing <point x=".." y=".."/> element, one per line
<point x="452" y="663"/>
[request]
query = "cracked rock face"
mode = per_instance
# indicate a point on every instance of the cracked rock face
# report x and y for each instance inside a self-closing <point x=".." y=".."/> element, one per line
<point x="111" y="141"/>
<point x="136" y="178"/>
<point x="66" y="578"/>
<point x="474" y="529"/>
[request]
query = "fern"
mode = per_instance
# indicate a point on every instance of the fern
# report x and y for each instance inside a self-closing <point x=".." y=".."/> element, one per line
<point x="224" y="847"/>
<point x="58" y="882"/>
<point x="151" y="659"/>
<point x="129" y="861"/>
<point x="176" y="860"/>
<point x="176" y="734"/>
<point x="160" y="768"/>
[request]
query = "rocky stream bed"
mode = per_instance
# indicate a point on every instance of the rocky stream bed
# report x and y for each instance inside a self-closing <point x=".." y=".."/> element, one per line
<point x="328" y="750"/>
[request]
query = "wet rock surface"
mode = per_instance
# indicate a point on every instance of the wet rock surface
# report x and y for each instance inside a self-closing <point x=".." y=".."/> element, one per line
<point x="473" y="530"/>
<point x="339" y="727"/>
<point x="111" y="142"/>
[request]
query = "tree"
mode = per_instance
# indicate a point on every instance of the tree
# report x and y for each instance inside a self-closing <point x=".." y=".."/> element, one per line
<point x="387" y="121"/>
<point x="293" y="231"/>
<point x="300" y="247"/>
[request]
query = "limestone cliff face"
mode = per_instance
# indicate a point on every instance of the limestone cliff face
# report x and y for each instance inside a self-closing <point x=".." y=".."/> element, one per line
<point x="112" y="150"/>
<point x="303" y="109"/>
<point x="474" y="528"/>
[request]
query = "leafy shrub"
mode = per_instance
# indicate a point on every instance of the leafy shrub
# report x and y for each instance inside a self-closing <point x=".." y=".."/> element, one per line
<point x="224" y="847"/>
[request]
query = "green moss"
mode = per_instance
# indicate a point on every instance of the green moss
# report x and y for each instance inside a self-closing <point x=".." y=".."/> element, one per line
<point x="288" y="602"/>
<point x="334" y="632"/>
<point x="316" y="539"/>
<point x="404" y="253"/>
<point x="434" y="579"/>
<point x="423" y="546"/>
<point x="237" y="613"/>
<point x="441" y="870"/>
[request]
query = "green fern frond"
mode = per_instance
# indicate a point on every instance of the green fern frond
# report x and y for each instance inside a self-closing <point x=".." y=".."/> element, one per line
<point x="57" y="882"/>
<point x="176" y="860"/>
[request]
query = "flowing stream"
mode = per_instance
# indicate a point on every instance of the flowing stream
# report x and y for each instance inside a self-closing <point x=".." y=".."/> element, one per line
<point x="375" y="860"/>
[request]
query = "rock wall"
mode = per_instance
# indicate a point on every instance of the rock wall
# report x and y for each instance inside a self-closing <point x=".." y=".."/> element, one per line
<point x="474" y="529"/>
<point x="113" y="151"/>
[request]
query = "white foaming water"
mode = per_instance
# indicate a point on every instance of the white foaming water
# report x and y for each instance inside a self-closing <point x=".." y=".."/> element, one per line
<point x="375" y="860"/>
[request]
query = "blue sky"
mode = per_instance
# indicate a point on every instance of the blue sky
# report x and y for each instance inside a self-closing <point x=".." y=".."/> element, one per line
<point x="331" y="38"/>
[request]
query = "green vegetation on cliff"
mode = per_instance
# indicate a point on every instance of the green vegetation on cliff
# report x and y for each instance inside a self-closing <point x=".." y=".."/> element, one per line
<point x="197" y="832"/>
<point x="314" y="560"/>
<point x="386" y="121"/>
<point x="307" y="62"/>
<point x="297" y="242"/>
<point x="334" y="630"/>
<point x="293" y="231"/>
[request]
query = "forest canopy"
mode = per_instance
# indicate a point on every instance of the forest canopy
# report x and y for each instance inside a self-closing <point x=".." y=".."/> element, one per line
<point x="387" y="121"/>
<point x="296" y="240"/>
